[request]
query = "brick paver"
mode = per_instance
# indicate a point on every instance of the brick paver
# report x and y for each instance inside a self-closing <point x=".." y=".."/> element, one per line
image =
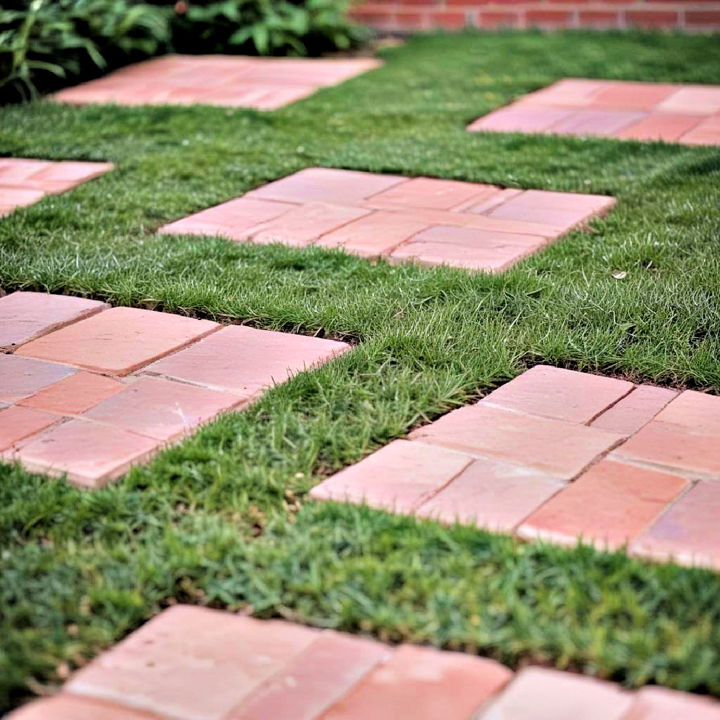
<point x="222" y="80"/>
<point x="424" y="220"/>
<point x="24" y="182"/>
<point x="192" y="663"/>
<point x="561" y="456"/>
<point x="684" y="114"/>
<point x="92" y="390"/>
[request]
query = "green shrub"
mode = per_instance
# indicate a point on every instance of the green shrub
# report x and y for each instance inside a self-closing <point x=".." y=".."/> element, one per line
<point x="43" y="40"/>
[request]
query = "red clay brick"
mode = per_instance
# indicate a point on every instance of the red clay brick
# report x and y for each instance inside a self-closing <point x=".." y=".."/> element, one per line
<point x="423" y="684"/>
<point x="668" y="127"/>
<point x="20" y="197"/>
<point x="430" y="193"/>
<point x="17" y="423"/>
<point x="537" y="693"/>
<point x="702" y="18"/>
<point x="243" y="361"/>
<point x="596" y="122"/>
<point x="520" y="119"/>
<point x="700" y="100"/>
<point x="652" y="18"/>
<point x="633" y="95"/>
<point x="21" y="377"/>
<point x="491" y="494"/>
<point x="551" y="446"/>
<point x="706" y="132"/>
<point x="599" y="19"/>
<point x="118" y="340"/>
<point x="610" y="505"/>
<point x="71" y="707"/>
<point x="74" y="394"/>
<point x="62" y="176"/>
<point x="633" y="411"/>
<point x="161" y="409"/>
<point x="27" y="315"/>
<point x="657" y="703"/>
<point x="191" y="662"/>
<point x="554" y="18"/>
<point x="90" y="454"/>
<point x="561" y="394"/>
<point x="689" y="531"/>
<point x="314" y="680"/>
<point x="15" y="172"/>
<point x="399" y="476"/>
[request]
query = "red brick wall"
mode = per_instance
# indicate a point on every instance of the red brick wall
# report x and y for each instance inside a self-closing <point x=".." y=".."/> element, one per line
<point x="411" y="15"/>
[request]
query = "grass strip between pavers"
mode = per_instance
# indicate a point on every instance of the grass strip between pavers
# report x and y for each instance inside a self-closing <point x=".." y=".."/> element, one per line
<point x="218" y="519"/>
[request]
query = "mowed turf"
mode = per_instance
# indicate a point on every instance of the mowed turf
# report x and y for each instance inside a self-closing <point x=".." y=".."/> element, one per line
<point x="223" y="518"/>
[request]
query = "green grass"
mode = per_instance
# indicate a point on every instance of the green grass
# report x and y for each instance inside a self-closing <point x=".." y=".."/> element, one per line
<point x="222" y="519"/>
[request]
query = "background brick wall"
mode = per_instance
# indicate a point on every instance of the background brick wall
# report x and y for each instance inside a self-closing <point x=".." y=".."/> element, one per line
<point x="412" y="15"/>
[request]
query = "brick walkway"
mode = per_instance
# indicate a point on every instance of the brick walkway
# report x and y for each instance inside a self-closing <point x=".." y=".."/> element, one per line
<point x="191" y="663"/>
<point x="687" y="114"/>
<point x="426" y="220"/>
<point x="90" y="390"/>
<point x="24" y="182"/>
<point x="222" y="80"/>
<point x="561" y="455"/>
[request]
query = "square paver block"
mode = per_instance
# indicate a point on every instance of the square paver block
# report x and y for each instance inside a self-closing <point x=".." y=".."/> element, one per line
<point x="657" y="703"/>
<point x="89" y="454"/>
<point x="634" y="410"/>
<point x="608" y="108"/>
<point x="118" y="341"/>
<point x="689" y="532"/>
<point x="429" y="221"/>
<point x="27" y="315"/>
<point x="314" y="680"/>
<point x="74" y="394"/>
<point x="553" y="447"/>
<point x="230" y="81"/>
<point x="398" y="477"/>
<point x="21" y="377"/>
<point x="491" y="494"/>
<point x="561" y="394"/>
<point x="610" y="505"/>
<point x="71" y="707"/>
<point x="24" y="182"/>
<point x="17" y="423"/>
<point x="423" y="684"/>
<point x="161" y="409"/>
<point x="192" y="663"/>
<point x="243" y="361"/>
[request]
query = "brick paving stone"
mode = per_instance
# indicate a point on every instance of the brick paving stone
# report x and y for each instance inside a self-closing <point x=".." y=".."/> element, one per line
<point x="689" y="531"/>
<point x="17" y="423"/>
<point x="74" y="394"/>
<point x="706" y="132"/>
<point x="70" y="707"/>
<point x="610" y="505"/>
<point x="634" y="410"/>
<point x="667" y="127"/>
<point x="118" y="340"/>
<point x="229" y="81"/>
<point x="398" y="477"/>
<point x="561" y="394"/>
<point x="192" y="663"/>
<point x="16" y="171"/>
<point x="314" y="680"/>
<point x="552" y="446"/>
<point x="27" y="315"/>
<point x="425" y="220"/>
<point x="243" y="361"/>
<point x="21" y="377"/>
<point x="657" y="703"/>
<point x="161" y="409"/>
<point x="90" y="454"/>
<point x="492" y="495"/>
<point x="542" y="694"/>
<point x="423" y="684"/>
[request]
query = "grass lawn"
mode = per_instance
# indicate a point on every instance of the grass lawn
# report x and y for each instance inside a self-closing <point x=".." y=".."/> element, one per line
<point x="222" y="519"/>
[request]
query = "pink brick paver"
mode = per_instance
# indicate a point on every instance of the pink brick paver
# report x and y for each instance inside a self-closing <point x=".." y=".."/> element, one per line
<point x="116" y="386"/>
<point x="425" y="220"/>
<point x="564" y="457"/>
<point x="24" y="182"/>
<point x="687" y="114"/>
<point x="193" y="663"/>
<point x="222" y="80"/>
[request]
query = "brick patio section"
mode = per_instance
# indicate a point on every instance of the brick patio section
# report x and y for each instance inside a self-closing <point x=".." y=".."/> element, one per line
<point x="192" y="663"/>
<point x="425" y="220"/>
<point x="686" y="114"/>
<point x="561" y="456"/>
<point x="24" y="182"/>
<point x="88" y="390"/>
<point x="221" y="80"/>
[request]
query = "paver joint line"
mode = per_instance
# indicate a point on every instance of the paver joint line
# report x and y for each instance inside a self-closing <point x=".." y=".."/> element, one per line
<point x="425" y="220"/>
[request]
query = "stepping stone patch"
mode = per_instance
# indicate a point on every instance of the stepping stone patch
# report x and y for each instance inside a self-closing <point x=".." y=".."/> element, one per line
<point x="424" y="220"/>
<point x="561" y="456"/>
<point x="686" y="114"/>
